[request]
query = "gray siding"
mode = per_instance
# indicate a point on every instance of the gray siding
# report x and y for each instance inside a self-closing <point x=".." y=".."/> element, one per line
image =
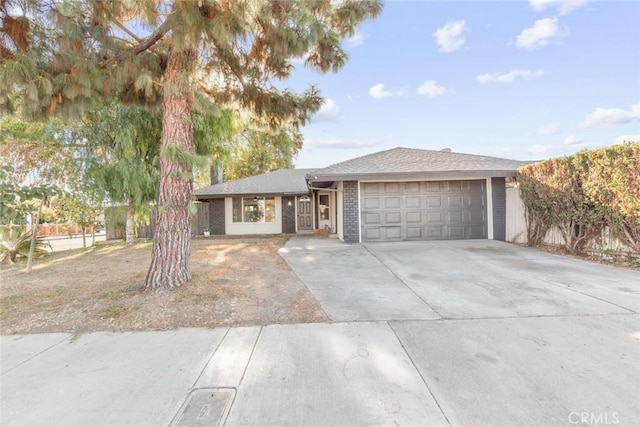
<point x="499" y="197"/>
<point x="351" y="216"/>
<point x="288" y="214"/>
<point x="216" y="216"/>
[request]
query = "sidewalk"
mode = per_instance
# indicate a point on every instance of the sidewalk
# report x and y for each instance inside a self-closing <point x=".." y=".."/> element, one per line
<point x="315" y="374"/>
<point x="501" y="372"/>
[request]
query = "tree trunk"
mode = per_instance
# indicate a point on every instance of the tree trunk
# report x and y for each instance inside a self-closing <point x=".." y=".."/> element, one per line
<point x="34" y="231"/>
<point x="130" y="224"/>
<point x="84" y="237"/>
<point x="171" y="257"/>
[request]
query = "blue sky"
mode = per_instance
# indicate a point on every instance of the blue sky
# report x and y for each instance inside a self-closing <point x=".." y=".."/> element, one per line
<point x="516" y="79"/>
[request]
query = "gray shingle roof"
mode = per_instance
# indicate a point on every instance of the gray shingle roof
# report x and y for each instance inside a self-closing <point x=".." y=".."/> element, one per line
<point x="413" y="162"/>
<point x="396" y="163"/>
<point x="280" y="182"/>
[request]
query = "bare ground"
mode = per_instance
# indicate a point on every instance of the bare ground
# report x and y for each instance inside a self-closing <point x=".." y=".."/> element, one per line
<point x="235" y="282"/>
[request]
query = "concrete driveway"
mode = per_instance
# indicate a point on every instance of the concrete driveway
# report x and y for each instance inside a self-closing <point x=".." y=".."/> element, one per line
<point x="456" y="280"/>
<point x="501" y="335"/>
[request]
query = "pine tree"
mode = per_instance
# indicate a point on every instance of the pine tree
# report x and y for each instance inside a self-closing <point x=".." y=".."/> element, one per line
<point x="61" y="57"/>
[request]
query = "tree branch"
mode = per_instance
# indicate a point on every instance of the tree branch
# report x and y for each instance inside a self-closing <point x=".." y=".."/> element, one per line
<point x="141" y="46"/>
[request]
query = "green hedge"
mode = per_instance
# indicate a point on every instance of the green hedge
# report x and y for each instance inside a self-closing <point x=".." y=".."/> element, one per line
<point x="582" y="194"/>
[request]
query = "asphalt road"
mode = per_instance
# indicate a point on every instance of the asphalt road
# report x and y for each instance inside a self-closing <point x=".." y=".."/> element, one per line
<point x="63" y="243"/>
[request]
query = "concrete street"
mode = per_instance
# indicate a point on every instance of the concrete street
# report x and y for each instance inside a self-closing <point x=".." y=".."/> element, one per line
<point x="425" y="333"/>
<point x="62" y="243"/>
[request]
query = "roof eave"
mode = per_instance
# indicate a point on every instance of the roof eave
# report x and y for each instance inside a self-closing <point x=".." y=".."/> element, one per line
<point x="244" y="194"/>
<point x="403" y="176"/>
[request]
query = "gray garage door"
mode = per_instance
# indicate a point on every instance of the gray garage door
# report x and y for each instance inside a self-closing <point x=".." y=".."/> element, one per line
<point x="431" y="210"/>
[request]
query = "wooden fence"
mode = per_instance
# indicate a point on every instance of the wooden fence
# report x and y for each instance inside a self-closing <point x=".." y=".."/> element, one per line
<point x="115" y="219"/>
<point x="516" y="229"/>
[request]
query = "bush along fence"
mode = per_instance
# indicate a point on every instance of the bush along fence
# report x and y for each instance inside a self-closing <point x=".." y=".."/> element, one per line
<point x="582" y="196"/>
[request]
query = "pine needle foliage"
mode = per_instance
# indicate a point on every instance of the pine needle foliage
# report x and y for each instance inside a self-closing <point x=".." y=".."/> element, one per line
<point x="63" y="57"/>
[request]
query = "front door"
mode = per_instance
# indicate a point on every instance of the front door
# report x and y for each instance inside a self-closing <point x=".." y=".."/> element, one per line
<point x="305" y="214"/>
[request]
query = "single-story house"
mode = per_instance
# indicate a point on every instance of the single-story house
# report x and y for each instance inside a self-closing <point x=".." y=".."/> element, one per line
<point x="397" y="194"/>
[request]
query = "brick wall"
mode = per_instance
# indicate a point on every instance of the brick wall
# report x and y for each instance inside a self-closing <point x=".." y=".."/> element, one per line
<point x="288" y="214"/>
<point x="351" y="217"/>
<point x="498" y="195"/>
<point x="216" y="216"/>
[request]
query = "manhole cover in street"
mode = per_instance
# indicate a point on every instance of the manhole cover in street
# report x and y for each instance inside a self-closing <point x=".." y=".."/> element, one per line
<point x="205" y="407"/>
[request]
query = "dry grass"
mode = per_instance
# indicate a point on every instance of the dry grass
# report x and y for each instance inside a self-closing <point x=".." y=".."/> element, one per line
<point x="235" y="282"/>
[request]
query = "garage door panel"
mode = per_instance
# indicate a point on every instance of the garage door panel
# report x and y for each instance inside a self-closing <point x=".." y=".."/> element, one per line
<point x="454" y="232"/>
<point x="434" y="232"/>
<point x="454" y="201"/>
<point x="427" y="210"/>
<point x="392" y="202"/>
<point x="455" y="217"/>
<point x="371" y="234"/>
<point x="434" y="201"/>
<point x="412" y="202"/>
<point x="371" y="218"/>
<point x="477" y="232"/>
<point x="393" y="233"/>
<point x="413" y="217"/>
<point x="414" y="233"/>
<point x="392" y="218"/>
<point x="392" y="188"/>
<point x="412" y="187"/>
<point x="434" y="216"/>
<point x="477" y="218"/>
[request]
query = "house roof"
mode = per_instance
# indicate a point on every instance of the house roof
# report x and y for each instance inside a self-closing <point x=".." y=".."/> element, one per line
<point x="396" y="163"/>
<point x="415" y="163"/>
<point x="280" y="182"/>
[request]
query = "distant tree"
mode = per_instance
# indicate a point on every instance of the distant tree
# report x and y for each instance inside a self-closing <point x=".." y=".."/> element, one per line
<point x="65" y="56"/>
<point x="41" y="153"/>
<point x="123" y="152"/>
<point x="122" y="156"/>
<point x="260" y="151"/>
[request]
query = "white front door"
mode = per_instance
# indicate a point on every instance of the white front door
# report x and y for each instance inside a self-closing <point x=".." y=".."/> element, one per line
<point x="324" y="211"/>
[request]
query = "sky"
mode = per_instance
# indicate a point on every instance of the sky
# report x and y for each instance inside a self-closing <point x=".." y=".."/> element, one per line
<point x="525" y="80"/>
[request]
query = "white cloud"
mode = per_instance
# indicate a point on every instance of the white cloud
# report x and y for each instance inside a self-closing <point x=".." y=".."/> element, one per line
<point x="431" y="88"/>
<point x="339" y="143"/>
<point x="449" y="37"/>
<point x="611" y="116"/>
<point x="572" y="140"/>
<point x="510" y="76"/>
<point x="562" y="6"/>
<point x="548" y="130"/>
<point x="356" y="40"/>
<point x="627" y="138"/>
<point x="329" y="110"/>
<point x="543" y="31"/>
<point x="378" y="91"/>
<point x="538" y="149"/>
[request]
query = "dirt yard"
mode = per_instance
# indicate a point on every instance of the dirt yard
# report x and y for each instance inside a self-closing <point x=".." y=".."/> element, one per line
<point x="235" y="282"/>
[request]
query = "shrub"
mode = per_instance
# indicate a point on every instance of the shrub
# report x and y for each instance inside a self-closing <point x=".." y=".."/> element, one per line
<point x="583" y="193"/>
<point x="14" y="244"/>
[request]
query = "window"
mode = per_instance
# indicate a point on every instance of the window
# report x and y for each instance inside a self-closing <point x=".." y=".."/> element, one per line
<point x="254" y="209"/>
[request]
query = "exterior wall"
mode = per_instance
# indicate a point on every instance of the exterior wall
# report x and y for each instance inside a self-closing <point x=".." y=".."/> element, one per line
<point x="339" y="212"/>
<point x="288" y="214"/>
<point x="498" y="203"/>
<point x="255" y="227"/>
<point x="216" y="216"/>
<point x="351" y="212"/>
